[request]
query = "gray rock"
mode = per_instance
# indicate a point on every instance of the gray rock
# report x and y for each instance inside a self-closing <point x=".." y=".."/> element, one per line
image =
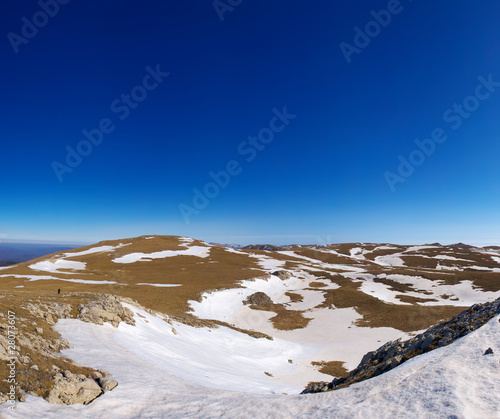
<point x="427" y="342"/>
<point x="106" y="309"/>
<point x="107" y="384"/>
<point x="72" y="389"/>
<point x="414" y="345"/>
<point x="282" y="274"/>
<point x="488" y="351"/>
<point x="96" y="375"/>
<point x="49" y="311"/>
<point x="391" y="352"/>
<point x="368" y="357"/>
<point x="259" y="299"/>
<point x="444" y="342"/>
<point x="39" y="330"/>
<point x="396" y="361"/>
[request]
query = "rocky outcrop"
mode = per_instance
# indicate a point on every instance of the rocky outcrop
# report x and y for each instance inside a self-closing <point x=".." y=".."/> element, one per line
<point x="107" y="308"/>
<point x="71" y="388"/>
<point x="259" y="299"/>
<point x="282" y="274"/>
<point x="395" y="353"/>
<point x="50" y="312"/>
<point x="38" y="348"/>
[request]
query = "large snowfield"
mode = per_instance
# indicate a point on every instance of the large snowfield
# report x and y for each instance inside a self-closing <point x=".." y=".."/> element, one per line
<point x="329" y="335"/>
<point x="195" y="372"/>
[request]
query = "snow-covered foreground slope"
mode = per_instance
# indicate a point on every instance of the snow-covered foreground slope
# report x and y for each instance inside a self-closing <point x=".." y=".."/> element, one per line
<point x="453" y="381"/>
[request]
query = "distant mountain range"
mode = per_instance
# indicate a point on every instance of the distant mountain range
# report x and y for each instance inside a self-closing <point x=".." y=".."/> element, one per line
<point x="228" y="245"/>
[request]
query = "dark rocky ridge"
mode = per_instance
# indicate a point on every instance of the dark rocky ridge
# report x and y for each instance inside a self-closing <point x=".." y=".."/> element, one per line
<point x="271" y="247"/>
<point x="394" y="353"/>
<point x="462" y="246"/>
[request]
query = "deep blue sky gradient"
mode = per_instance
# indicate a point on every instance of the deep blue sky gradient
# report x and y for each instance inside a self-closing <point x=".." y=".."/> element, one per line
<point x="320" y="180"/>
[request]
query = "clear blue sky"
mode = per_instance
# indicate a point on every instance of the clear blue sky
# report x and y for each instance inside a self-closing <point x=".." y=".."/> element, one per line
<point x="322" y="178"/>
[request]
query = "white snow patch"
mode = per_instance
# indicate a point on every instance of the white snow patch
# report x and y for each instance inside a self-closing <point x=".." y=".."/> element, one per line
<point x="482" y="268"/>
<point x="417" y="248"/>
<point x="310" y="299"/>
<point x="323" y="265"/>
<point x="381" y="291"/>
<point x="267" y="263"/>
<point x="98" y="249"/>
<point x="200" y="251"/>
<point x="221" y="305"/>
<point x="466" y="292"/>
<point x="32" y="278"/>
<point x="55" y="266"/>
<point x="386" y="247"/>
<point x="390" y="260"/>
<point x="496" y="259"/>
<point x="85" y="281"/>
<point x="447" y="257"/>
<point x="231" y="250"/>
<point x="161" y="285"/>
<point x="357" y="253"/>
<point x="440" y="267"/>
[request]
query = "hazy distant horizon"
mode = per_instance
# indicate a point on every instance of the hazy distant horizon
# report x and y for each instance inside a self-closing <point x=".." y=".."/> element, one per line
<point x="248" y="241"/>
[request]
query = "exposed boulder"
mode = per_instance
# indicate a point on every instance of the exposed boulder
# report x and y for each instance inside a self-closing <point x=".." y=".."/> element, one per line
<point x="105" y="309"/>
<point x="392" y="354"/>
<point x="259" y="299"/>
<point x="71" y="388"/>
<point x="282" y="274"/>
<point x="107" y="384"/>
<point x="488" y="351"/>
